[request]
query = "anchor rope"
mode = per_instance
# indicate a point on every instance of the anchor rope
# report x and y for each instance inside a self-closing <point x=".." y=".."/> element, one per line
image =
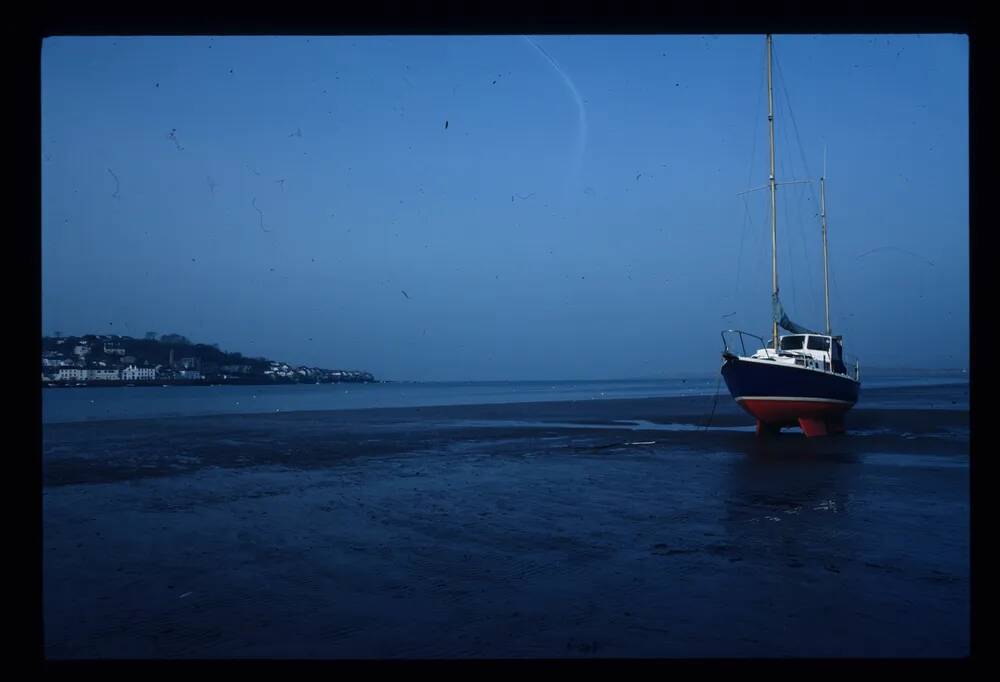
<point x="715" y="401"/>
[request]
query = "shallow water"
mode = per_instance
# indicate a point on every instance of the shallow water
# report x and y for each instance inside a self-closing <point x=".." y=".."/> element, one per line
<point x="106" y="403"/>
<point x="638" y="425"/>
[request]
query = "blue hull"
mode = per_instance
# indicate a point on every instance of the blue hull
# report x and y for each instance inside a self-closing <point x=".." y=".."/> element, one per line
<point x="760" y="379"/>
<point x="784" y="395"/>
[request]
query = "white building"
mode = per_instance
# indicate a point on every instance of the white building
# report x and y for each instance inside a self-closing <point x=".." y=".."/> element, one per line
<point x="189" y="374"/>
<point x="105" y="374"/>
<point x="81" y="350"/>
<point x="133" y="373"/>
<point x="72" y="374"/>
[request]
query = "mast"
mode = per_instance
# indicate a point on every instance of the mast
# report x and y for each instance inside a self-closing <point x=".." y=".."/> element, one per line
<point x="774" y="187"/>
<point x="822" y="216"/>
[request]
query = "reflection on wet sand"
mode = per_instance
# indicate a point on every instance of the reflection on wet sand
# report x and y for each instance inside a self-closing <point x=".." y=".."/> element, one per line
<point x="504" y="531"/>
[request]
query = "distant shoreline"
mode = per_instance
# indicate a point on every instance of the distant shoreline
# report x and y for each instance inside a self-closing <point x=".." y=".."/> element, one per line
<point x="193" y="382"/>
<point x="281" y="382"/>
<point x="936" y="399"/>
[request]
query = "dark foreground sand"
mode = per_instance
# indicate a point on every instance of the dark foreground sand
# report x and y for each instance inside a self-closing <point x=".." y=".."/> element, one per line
<point x="480" y="531"/>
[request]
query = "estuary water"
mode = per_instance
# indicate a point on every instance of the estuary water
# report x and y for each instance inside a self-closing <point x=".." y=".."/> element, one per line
<point x="121" y="402"/>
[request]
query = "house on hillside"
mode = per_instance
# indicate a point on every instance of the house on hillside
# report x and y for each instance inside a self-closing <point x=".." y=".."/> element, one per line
<point x="113" y="349"/>
<point x="133" y="373"/>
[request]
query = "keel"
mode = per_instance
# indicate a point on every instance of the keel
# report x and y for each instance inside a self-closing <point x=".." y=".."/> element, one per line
<point x="821" y="427"/>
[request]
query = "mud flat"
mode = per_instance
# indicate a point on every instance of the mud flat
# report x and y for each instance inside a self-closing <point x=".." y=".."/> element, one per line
<point x="618" y="528"/>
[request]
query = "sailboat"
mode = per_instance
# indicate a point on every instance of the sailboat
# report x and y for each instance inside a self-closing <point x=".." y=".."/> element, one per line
<point x="800" y="379"/>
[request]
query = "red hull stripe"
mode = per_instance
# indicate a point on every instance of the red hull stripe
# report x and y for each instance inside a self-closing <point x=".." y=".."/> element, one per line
<point x="793" y="399"/>
<point x="779" y="411"/>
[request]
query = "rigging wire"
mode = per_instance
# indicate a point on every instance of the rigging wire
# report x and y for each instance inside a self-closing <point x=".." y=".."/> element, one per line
<point x="783" y="163"/>
<point x="757" y="117"/>
<point x="812" y="285"/>
<point x="794" y="229"/>
<point x="812" y="195"/>
<point x="753" y="155"/>
<point x="795" y="127"/>
<point x="788" y="256"/>
<point x="764" y="259"/>
<point x="753" y="270"/>
<point x="743" y="230"/>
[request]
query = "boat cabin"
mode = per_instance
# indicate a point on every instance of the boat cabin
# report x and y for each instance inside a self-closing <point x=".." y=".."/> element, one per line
<point x="814" y="351"/>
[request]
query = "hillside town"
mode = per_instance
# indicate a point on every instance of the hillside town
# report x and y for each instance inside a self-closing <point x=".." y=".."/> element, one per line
<point x="169" y="359"/>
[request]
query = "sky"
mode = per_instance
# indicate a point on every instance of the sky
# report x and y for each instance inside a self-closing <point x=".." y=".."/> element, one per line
<point x="447" y="208"/>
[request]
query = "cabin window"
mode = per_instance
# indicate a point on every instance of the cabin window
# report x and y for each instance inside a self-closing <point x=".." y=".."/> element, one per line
<point x="792" y="342"/>
<point x="819" y="343"/>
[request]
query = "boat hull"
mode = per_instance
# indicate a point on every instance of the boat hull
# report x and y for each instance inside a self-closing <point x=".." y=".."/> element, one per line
<point x="780" y="395"/>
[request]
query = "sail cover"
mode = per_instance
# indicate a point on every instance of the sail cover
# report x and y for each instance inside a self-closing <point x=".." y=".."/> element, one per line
<point x="782" y="319"/>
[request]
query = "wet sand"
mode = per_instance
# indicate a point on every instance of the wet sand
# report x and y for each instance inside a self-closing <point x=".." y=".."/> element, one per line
<point x="581" y="529"/>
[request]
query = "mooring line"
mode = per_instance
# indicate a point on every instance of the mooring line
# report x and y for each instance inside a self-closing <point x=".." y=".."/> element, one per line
<point x="715" y="400"/>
